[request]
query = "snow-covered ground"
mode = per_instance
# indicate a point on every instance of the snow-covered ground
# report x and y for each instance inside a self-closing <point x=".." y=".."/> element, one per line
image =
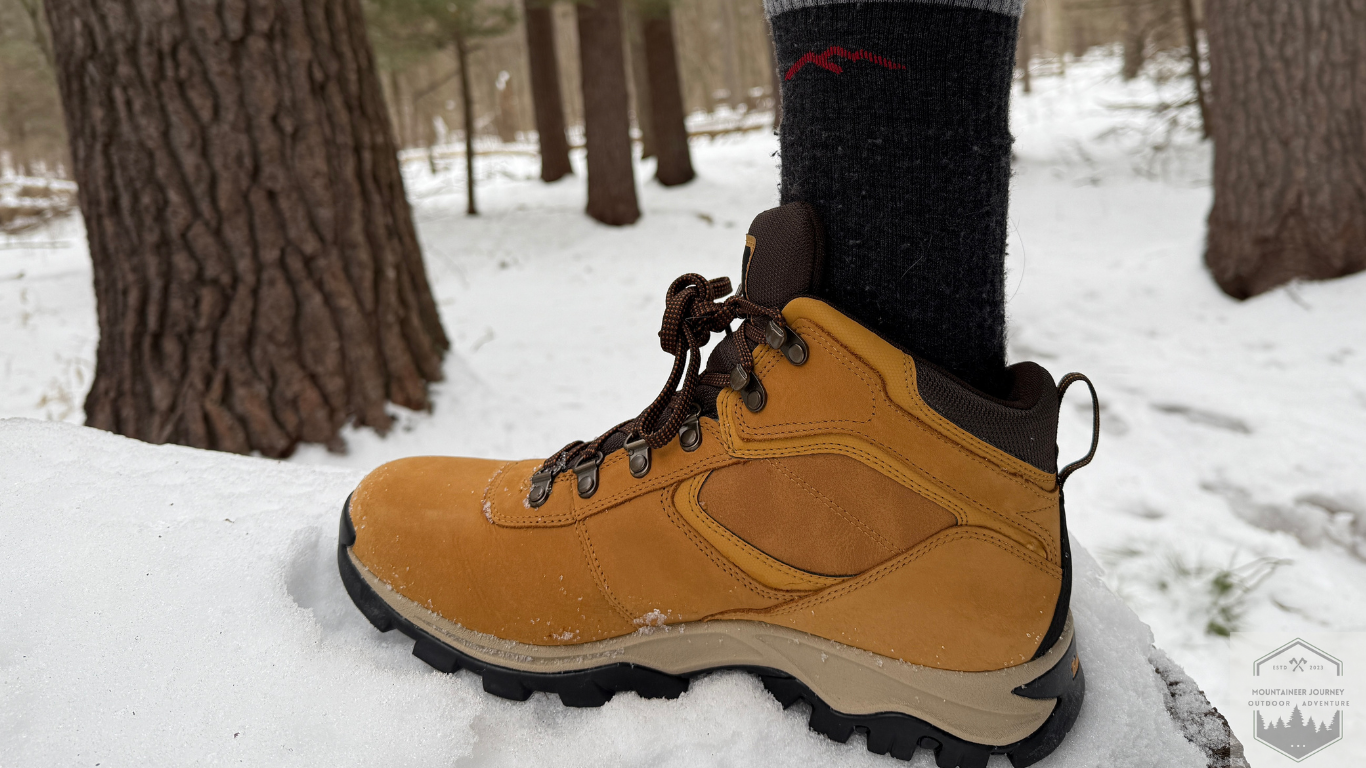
<point x="1228" y="492"/>
<point x="167" y="606"/>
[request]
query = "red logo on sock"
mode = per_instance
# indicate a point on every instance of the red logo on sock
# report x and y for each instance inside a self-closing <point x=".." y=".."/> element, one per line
<point x="823" y="61"/>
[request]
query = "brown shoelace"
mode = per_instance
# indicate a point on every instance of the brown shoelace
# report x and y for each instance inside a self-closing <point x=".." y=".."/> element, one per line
<point x="692" y="313"/>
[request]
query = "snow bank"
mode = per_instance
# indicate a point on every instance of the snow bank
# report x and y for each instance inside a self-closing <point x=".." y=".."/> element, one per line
<point x="171" y="606"/>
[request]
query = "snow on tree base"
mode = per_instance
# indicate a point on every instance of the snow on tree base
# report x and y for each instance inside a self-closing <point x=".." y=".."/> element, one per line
<point x="170" y="606"/>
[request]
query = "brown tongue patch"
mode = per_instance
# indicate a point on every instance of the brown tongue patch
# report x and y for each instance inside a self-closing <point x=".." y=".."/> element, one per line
<point x="784" y="258"/>
<point x="784" y="255"/>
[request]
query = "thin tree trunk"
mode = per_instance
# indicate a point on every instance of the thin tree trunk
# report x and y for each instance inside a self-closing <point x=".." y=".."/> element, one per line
<point x="776" y="80"/>
<point x="666" y="98"/>
<point x="1135" y="39"/>
<point x="507" y="109"/>
<point x="607" y="122"/>
<point x="1197" y="73"/>
<point x="1024" y="51"/>
<point x="1287" y="82"/>
<point x="545" y="91"/>
<point x="34" y="10"/>
<point x="728" y="45"/>
<point x="462" y="54"/>
<point x="640" y="81"/>
<point x="257" y="276"/>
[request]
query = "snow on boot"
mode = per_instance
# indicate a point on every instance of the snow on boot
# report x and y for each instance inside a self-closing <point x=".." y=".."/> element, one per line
<point x="855" y="526"/>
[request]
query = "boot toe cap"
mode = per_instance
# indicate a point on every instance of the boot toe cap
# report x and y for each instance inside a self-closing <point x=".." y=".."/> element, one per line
<point x="423" y="527"/>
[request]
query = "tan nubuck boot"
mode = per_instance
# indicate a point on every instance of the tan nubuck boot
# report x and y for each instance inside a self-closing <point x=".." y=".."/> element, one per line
<point x="852" y="524"/>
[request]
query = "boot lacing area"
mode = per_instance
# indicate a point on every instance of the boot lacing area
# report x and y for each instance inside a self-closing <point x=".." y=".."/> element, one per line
<point x="692" y="313"/>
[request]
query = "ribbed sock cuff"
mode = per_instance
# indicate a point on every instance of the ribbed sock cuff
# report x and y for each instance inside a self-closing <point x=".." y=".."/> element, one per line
<point x="1008" y="7"/>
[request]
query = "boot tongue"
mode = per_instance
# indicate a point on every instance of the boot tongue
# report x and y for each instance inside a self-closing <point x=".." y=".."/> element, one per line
<point x="784" y="255"/>
<point x="784" y="258"/>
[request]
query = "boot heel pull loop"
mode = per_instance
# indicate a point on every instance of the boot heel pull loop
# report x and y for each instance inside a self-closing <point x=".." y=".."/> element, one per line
<point x="1066" y="382"/>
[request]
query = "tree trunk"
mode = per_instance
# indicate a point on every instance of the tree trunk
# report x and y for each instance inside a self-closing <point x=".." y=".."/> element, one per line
<point x="1024" y="51"/>
<point x="606" y="116"/>
<point x="776" y="82"/>
<point x="545" y="91"/>
<point x="1197" y="72"/>
<point x="1135" y="39"/>
<point x="640" y="81"/>
<point x="507" y="108"/>
<point x="462" y="55"/>
<point x="1288" y="81"/>
<point x="666" y="99"/>
<point x="257" y="276"/>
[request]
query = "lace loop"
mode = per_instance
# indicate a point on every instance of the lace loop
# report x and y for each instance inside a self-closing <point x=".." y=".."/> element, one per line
<point x="692" y="313"/>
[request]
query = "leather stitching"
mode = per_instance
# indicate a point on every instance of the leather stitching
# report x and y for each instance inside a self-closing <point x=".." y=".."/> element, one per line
<point x="873" y="460"/>
<point x="650" y="483"/>
<point x="841" y="355"/>
<point x="598" y="576"/>
<point x="1007" y="463"/>
<point x="728" y="535"/>
<point x="881" y="572"/>
<point x="834" y="506"/>
<point x="708" y="551"/>
<point x="810" y="327"/>
<point x="1037" y="528"/>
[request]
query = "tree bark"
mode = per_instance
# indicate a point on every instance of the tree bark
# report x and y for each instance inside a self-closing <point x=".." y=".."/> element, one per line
<point x="257" y="275"/>
<point x="462" y="55"/>
<point x="775" y="78"/>
<point x="640" y="80"/>
<point x="1287" y="81"/>
<point x="1197" y="72"/>
<point x="666" y="100"/>
<point x="606" y="115"/>
<point x="1135" y="40"/>
<point x="545" y="91"/>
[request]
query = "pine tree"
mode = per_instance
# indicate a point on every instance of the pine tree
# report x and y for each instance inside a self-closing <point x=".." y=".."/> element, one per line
<point x="457" y="23"/>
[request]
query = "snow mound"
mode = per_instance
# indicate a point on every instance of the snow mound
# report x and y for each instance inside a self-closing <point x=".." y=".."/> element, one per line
<point x="170" y="606"/>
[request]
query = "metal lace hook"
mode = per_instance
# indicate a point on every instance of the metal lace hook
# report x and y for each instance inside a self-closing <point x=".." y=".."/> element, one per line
<point x="1066" y="382"/>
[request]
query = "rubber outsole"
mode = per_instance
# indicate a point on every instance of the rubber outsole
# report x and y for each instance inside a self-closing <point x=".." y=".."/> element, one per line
<point x="889" y="733"/>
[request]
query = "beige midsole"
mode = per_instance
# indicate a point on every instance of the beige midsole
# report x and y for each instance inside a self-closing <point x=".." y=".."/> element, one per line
<point x="977" y="706"/>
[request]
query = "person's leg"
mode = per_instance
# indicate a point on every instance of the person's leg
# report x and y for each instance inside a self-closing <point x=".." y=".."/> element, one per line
<point x="896" y="129"/>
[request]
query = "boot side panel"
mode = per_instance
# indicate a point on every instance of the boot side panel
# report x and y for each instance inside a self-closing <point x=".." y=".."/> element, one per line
<point x="967" y="599"/>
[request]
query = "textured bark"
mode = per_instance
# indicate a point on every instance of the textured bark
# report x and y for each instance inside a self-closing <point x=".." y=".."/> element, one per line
<point x="606" y="114"/>
<point x="640" y="80"/>
<point x="256" y="271"/>
<point x="1287" y="86"/>
<point x="545" y="91"/>
<point x="666" y="101"/>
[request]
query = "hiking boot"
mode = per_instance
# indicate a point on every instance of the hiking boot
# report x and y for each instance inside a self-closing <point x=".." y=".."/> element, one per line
<point x="852" y="524"/>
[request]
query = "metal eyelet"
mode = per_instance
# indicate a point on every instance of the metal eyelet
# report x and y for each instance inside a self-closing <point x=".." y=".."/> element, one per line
<point x="587" y="473"/>
<point x="751" y="391"/>
<point x="690" y="431"/>
<point x="638" y="457"/>
<point x="788" y="342"/>
<point x="541" y="483"/>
